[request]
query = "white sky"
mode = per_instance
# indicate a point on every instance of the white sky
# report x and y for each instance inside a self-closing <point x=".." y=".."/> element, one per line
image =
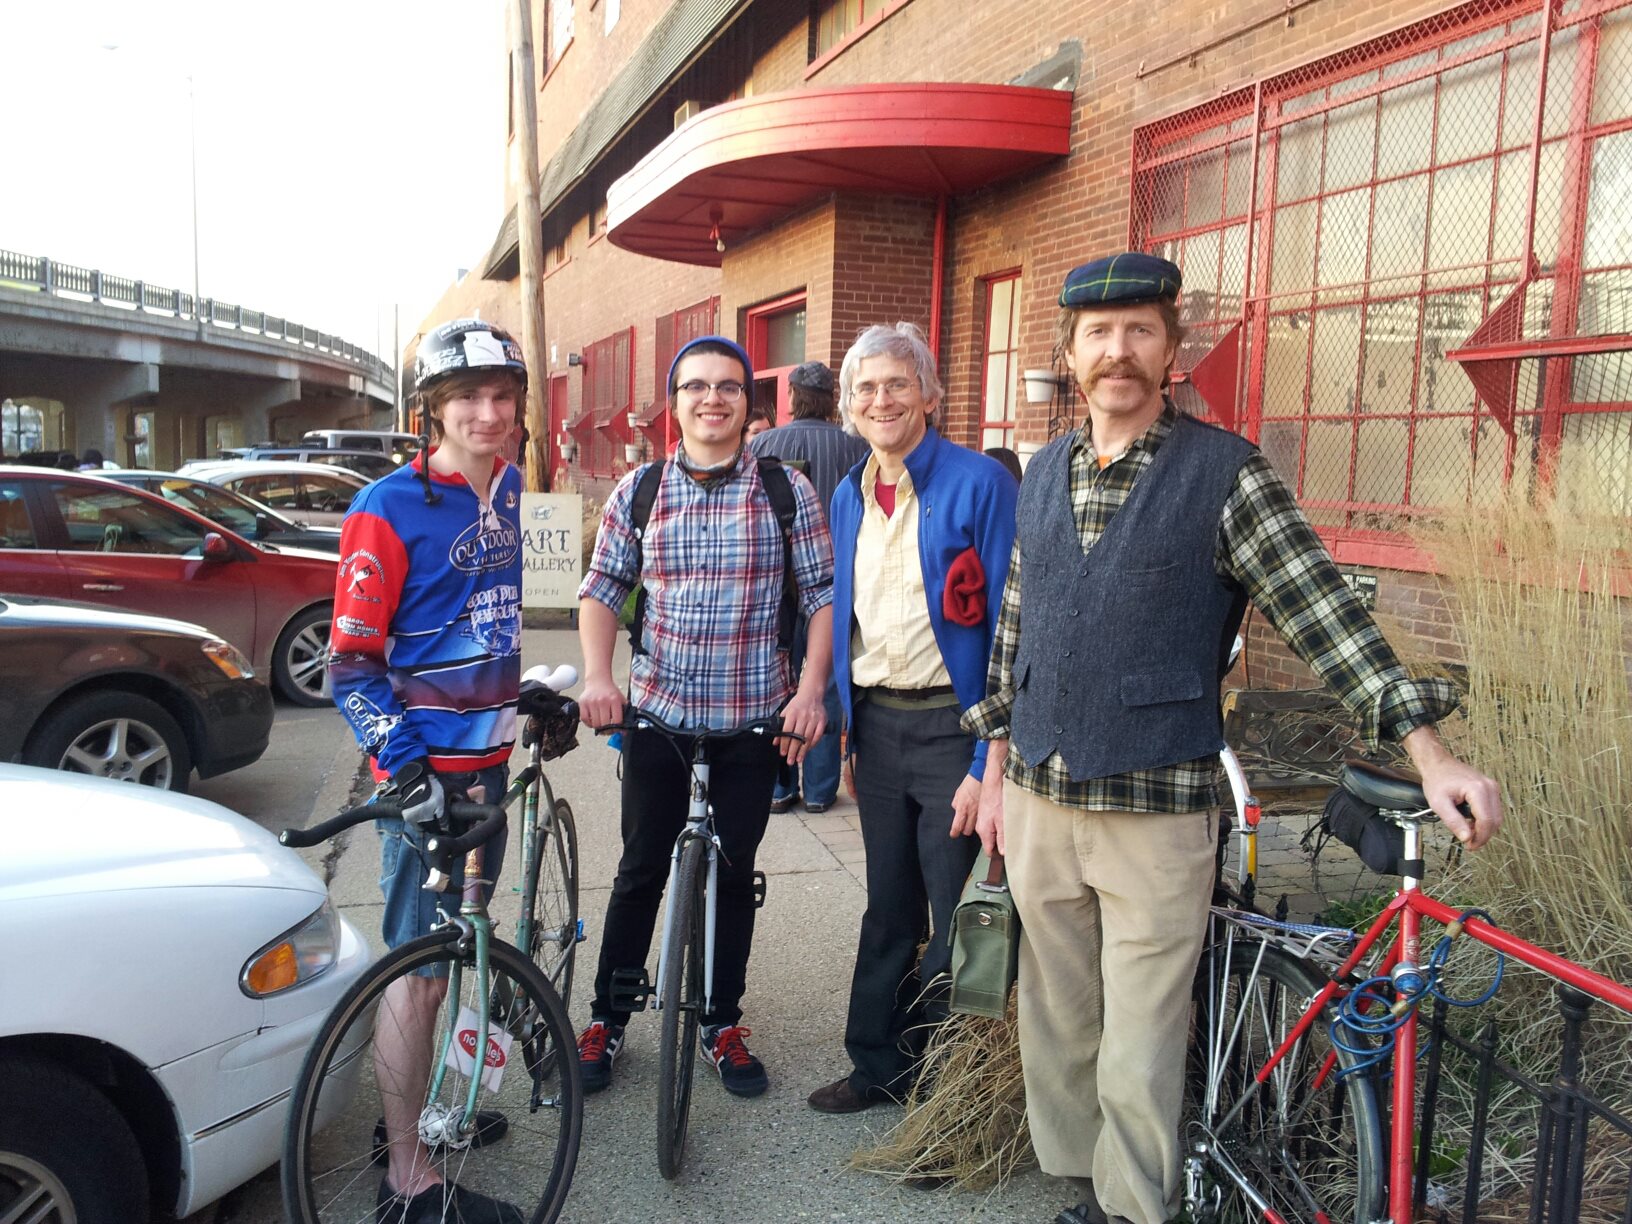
<point x="350" y="152"/>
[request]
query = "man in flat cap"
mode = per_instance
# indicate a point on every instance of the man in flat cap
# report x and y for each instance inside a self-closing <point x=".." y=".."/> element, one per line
<point x="815" y="443"/>
<point x="1139" y="539"/>
<point x="922" y="533"/>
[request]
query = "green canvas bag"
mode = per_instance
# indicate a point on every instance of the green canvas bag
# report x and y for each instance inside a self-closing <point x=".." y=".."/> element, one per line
<point x="985" y="940"/>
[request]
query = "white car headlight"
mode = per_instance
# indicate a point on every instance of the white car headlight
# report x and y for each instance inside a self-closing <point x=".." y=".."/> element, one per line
<point x="232" y="661"/>
<point x="294" y="957"/>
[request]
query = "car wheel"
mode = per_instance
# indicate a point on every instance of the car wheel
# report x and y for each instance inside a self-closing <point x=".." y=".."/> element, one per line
<point x="300" y="663"/>
<point x="66" y="1154"/>
<point x="113" y="734"/>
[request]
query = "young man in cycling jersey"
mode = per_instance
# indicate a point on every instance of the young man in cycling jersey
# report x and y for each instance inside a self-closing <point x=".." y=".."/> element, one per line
<point x="426" y="665"/>
<point x="710" y="558"/>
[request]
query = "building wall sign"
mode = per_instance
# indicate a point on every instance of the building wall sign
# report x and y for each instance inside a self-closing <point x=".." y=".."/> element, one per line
<point x="552" y="530"/>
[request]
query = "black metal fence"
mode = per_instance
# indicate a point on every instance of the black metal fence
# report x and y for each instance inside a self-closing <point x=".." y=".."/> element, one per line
<point x="94" y="285"/>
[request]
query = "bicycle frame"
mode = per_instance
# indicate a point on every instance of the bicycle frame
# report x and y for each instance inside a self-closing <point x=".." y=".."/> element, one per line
<point x="474" y="921"/>
<point x="699" y="824"/>
<point x="1399" y="959"/>
<point x="538" y="819"/>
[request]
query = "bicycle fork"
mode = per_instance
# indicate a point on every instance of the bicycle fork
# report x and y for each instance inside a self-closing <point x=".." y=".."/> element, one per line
<point x="697" y="827"/>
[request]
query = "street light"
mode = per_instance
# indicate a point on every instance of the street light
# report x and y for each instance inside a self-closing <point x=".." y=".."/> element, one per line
<point x="192" y="134"/>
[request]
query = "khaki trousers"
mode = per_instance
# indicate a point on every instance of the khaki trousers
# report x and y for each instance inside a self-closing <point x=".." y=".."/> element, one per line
<point x="1113" y="909"/>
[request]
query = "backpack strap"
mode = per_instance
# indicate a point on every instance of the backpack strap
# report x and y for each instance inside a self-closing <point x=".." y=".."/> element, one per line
<point x="774" y="476"/>
<point x="640" y="511"/>
<point x="778" y="488"/>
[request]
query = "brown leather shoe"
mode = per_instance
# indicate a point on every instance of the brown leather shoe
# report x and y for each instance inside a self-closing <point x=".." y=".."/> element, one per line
<point x="839" y="1098"/>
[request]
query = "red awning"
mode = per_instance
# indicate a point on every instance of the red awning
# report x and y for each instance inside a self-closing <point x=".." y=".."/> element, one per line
<point x="743" y="166"/>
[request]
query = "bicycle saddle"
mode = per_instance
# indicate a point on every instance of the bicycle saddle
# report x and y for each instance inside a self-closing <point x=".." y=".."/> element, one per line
<point x="1392" y="790"/>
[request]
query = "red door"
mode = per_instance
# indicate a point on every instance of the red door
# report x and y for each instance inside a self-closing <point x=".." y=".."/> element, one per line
<point x="558" y="423"/>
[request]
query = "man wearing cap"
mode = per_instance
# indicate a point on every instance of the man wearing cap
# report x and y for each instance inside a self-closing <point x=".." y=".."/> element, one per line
<point x="921" y="538"/>
<point x="711" y="656"/>
<point x="814" y="443"/>
<point x="1139" y="539"/>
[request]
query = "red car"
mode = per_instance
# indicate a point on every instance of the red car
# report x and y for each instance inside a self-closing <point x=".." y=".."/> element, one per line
<point x="78" y="536"/>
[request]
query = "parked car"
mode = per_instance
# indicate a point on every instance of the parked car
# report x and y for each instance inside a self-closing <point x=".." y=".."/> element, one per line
<point x="309" y="493"/>
<point x="166" y="967"/>
<point x="230" y="509"/>
<point x="80" y="536"/>
<point x="125" y="696"/>
<point x="368" y="464"/>
<point x="387" y="442"/>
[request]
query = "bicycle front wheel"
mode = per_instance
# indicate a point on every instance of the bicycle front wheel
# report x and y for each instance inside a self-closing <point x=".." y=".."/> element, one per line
<point x="553" y="933"/>
<point x="1307" y="1140"/>
<point x="681" y="993"/>
<point x="390" y="1050"/>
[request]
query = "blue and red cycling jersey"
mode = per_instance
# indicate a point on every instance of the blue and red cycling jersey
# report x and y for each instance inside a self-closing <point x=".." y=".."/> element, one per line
<point x="426" y="642"/>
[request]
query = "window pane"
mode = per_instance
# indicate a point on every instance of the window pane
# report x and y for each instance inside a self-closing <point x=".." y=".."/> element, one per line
<point x="1239" y="178"/>
<point x="996" y="437"/>
<point x="1205" y="202"/>
<point x="785" y="338"/>
<point x="1400" y="225"/>
<point x="279" y="492"/>
<point x="1292" y="265"/>
<point x="1326" y="463"/>
<point x="1280" y="443"/>
<point x="1200" y="278"/>
<point x="1600" y="445"/>
<point x="1390" y="356"/>
<point x="1379" y="462"/>
<point x="16" y="531"/>
<point x="1603" y="378"/>
<point x="1336" y="361"/>
<point x="1612" y="83"/>
<point x="1232" y="276"/>
<point x="1167" y="200"/>
<point x="1297" y="172"/>
<point x="997" y="387"/>
<point x="1609" y="237"/>
<point x="120" y="522"/>
<point x="1351" y="134"/>
<point x="1441" y="460"/>
<point x="1001" y="294"/>
<point x="1343" y="224"/>
<point x="1447" y="320"/>
<point x="1468" y="100"/>
<point x="1490" y="463"/>
<point x="1286" y="365"/>
<point x="1014" y="315"/>
<point x="1407" y="129"/>
<point x="1459" y="233"/>
<point x="1606" y="303"/>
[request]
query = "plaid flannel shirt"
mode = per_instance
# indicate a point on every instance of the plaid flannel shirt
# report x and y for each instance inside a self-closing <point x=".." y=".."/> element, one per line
<point x="1267" y="546"/>
<point x="713" y="576"/>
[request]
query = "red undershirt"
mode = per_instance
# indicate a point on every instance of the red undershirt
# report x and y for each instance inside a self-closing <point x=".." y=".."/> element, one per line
<point x="885" y="494"/>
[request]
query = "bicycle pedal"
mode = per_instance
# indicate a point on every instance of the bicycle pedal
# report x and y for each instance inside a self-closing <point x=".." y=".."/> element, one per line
<point x="578" y="932"/>
<point x="631" y="990"/>
<point x="759" y="890"/>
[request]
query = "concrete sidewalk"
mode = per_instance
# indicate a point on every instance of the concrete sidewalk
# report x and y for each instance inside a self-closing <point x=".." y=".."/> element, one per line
<point x="767" y="1159"/>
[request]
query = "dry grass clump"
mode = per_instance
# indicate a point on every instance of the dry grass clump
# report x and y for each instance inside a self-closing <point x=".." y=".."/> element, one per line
<point x="966" y="1116"/>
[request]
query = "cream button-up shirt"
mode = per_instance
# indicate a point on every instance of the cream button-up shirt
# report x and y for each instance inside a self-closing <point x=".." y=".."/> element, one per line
<point x="893" y="644"/>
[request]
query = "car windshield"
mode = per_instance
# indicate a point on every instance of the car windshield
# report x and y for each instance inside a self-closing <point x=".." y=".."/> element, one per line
<point x="232" y="511"/>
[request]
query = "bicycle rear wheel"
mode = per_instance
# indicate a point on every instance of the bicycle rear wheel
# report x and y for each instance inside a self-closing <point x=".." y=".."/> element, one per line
<point x="1307" y="1142"/>
<point x="681" y="993"/>
<point x="336" y="1149"/>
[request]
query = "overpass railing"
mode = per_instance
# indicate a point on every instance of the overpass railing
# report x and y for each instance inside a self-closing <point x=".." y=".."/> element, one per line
<point x="94" y="285"/>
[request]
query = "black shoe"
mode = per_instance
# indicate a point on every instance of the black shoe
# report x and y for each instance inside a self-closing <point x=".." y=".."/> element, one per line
<point x="1087" y="1212"/>
<point x="784" y="803"/>
<point x="448" y="1203"/>
<point x="816" y="809"/>
<point x="491" y="1126"/>
<point x="742" y="1074"/>
<point x="598" y="1045"/>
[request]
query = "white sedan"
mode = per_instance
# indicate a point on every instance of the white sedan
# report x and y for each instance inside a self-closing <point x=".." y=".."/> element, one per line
<point x="166" y="965"/>
<point x="311" y="494"/>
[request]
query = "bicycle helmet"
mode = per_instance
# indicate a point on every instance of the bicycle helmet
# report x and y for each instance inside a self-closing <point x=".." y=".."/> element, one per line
<point x="465" y="344"/>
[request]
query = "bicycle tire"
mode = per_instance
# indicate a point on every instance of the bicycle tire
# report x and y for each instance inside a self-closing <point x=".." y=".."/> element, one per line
<point x="334" y="1157"/>
<point x="1299" y="1136"/>
<point x="681" y="993"/>
<point x="553" y="932"/>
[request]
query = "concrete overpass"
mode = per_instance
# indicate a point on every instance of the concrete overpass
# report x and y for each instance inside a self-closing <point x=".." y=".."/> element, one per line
<point x="135" y="371"/>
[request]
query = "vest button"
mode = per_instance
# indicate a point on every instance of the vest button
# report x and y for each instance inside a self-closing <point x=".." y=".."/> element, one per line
<point x="1058" y="730"/>
<point x="1085" y="571"/>
<point x="1074" y="611"/>
<point x="1068" y="654"/>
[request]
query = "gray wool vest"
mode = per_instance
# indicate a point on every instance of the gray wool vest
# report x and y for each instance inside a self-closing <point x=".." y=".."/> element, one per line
<point x="1122" y="648"/>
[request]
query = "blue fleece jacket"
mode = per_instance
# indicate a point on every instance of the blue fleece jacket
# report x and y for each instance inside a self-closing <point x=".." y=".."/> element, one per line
<point x="965" y="500"/>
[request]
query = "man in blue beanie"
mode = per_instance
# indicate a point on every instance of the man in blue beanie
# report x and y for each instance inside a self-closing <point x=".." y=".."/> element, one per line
<point x="710" y="652"/>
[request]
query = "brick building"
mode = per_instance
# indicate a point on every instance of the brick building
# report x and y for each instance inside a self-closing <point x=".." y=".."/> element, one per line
<point x="1404" y="278"/>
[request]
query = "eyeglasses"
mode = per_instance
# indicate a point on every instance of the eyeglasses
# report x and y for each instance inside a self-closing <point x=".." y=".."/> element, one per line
<point x="728" y="391"/>
<point x="865" y="393"/>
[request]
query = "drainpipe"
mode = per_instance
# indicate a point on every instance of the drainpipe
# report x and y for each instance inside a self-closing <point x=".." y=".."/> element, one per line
<point x="937" y="277"/>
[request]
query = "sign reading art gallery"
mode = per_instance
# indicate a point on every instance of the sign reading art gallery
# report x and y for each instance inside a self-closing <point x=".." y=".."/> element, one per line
<point x="552" y="526"/>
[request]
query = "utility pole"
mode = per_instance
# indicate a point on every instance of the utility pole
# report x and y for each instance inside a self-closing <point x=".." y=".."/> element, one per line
<point x="396" y="364"/>
<point x="524" y="101"/>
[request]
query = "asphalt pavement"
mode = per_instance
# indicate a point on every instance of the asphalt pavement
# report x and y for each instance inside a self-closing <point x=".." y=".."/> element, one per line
<point x="768" y="1159"/>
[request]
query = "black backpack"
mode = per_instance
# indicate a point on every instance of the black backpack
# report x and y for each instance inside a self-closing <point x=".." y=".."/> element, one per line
<point x="779" y="489"/>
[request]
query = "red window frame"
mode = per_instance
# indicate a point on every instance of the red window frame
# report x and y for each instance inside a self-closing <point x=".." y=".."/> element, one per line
<point x="1010" y="352"/>
<point x="1250" y="192"/>
<point x="608" y="400"/>
<point x="759" y="342"/>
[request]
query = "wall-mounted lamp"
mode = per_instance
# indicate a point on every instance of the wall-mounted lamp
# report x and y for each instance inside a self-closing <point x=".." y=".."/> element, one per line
<point x="1041" y="385"/>
<point x="634" y="420"/>
<point x="575" y="359"/>
<point x="719" y="243"/>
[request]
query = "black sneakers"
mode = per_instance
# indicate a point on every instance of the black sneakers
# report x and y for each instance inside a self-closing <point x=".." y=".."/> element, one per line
<point x="741" y="1073"/>
<point x="598" y="1045"/>
<point x="446" y="1202"/>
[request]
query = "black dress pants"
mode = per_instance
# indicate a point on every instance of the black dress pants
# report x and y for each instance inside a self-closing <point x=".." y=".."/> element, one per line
<point x="656" y="798"/>
<point x="908" y="765"/>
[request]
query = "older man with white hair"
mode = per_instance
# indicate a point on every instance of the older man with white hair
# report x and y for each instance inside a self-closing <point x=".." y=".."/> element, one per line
<point x="921" y="536"/>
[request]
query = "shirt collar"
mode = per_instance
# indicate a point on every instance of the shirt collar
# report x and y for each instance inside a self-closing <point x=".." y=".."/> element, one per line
<point x="869" y="483"/>
<point x="708" y="475"/>
<point x="1150" y="441"/>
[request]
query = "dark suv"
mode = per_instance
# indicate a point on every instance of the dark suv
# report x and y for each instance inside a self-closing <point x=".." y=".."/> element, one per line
<point x="120" y="695"/>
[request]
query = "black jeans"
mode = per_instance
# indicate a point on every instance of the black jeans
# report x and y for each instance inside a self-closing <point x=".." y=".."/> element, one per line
<point x="908" y="765"/>
<point x="656" y="796"/>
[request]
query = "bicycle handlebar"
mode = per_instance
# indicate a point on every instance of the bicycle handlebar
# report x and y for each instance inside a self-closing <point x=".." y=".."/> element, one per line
<point x="491" y="818"/>
<point x="640" y="720"/>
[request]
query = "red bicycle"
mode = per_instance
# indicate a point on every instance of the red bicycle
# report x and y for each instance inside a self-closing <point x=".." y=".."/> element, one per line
<point x="1302" y="1085"/>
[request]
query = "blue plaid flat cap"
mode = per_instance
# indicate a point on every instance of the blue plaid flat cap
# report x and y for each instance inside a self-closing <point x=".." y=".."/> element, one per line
<point x="1121" y="280"/>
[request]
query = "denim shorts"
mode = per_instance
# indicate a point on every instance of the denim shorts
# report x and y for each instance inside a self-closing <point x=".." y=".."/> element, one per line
<point x="411" y="911"/>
